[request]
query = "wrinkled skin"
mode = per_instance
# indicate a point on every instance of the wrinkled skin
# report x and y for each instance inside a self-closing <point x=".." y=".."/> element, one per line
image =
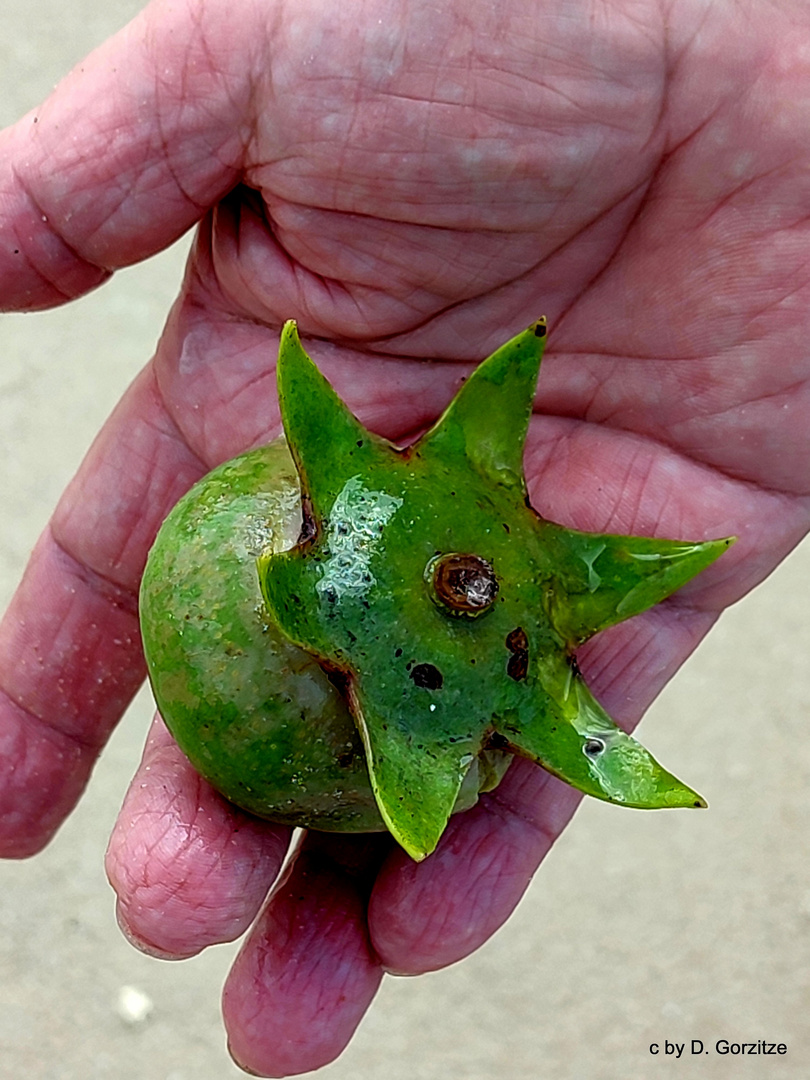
<point x="408" y="181"/>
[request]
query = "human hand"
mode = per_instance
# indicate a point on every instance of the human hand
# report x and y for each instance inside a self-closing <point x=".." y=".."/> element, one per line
<point x="595" y="188"/>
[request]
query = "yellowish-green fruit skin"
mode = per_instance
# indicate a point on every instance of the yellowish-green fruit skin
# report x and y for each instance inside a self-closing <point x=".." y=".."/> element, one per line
<point x="256" y="716"/>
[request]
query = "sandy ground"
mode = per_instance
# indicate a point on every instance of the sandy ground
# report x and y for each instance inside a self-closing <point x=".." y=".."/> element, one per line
<point x="639" y="928"/>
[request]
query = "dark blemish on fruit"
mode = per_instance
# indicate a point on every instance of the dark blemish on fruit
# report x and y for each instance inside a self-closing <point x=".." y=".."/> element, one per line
<point x="308" y="527"/>
<point x="593" y="747"/>
<point x="518" y="665"/>
<point x="427" y="677"/>
<point x="518" y="644"/>
<point x="339" y="679"/>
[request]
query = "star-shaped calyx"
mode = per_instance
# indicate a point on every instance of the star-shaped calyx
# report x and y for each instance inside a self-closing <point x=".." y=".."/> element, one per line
<point x="448" y="609"/>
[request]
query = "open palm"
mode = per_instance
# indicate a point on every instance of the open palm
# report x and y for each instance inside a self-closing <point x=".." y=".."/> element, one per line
<point x="412" y="182"/>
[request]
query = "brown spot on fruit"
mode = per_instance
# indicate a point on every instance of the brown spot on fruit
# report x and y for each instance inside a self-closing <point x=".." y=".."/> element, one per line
<point x="518" y="665"/>
<point x="518" y="645"/>
<point x="463" y="584"/>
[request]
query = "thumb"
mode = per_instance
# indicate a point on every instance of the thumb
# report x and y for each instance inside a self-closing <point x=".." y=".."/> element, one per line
<point x="129" y="151"/>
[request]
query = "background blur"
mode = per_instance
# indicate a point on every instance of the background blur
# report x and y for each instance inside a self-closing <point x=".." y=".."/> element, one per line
<point x="639" y="928"/>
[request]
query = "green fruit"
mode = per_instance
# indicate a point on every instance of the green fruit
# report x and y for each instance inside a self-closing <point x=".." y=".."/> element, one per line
<point x="372" y="655"/>
<point x="258" y="717"/>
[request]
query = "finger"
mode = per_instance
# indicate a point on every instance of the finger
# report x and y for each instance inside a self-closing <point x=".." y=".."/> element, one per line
<point x="127" y="153"/>
<point x="70" y="652"/>
<point x="424" y="916"/>
<point x="70" y="662"/>
<point x="189" y="869"/>
<point x="306" y="973"/>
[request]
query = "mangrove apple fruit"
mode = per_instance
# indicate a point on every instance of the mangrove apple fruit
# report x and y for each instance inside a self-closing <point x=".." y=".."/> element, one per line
<point x="346" y="635"/>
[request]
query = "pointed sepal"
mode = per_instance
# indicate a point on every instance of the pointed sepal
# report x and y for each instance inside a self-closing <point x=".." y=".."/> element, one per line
<point x="601" y="580"/>
<point x="289" y="586"/>
<point x="328" y="444"/>
<point x="574" y="738"/>
<point x="486" y="422"/>
<point x="415" y="780"/>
